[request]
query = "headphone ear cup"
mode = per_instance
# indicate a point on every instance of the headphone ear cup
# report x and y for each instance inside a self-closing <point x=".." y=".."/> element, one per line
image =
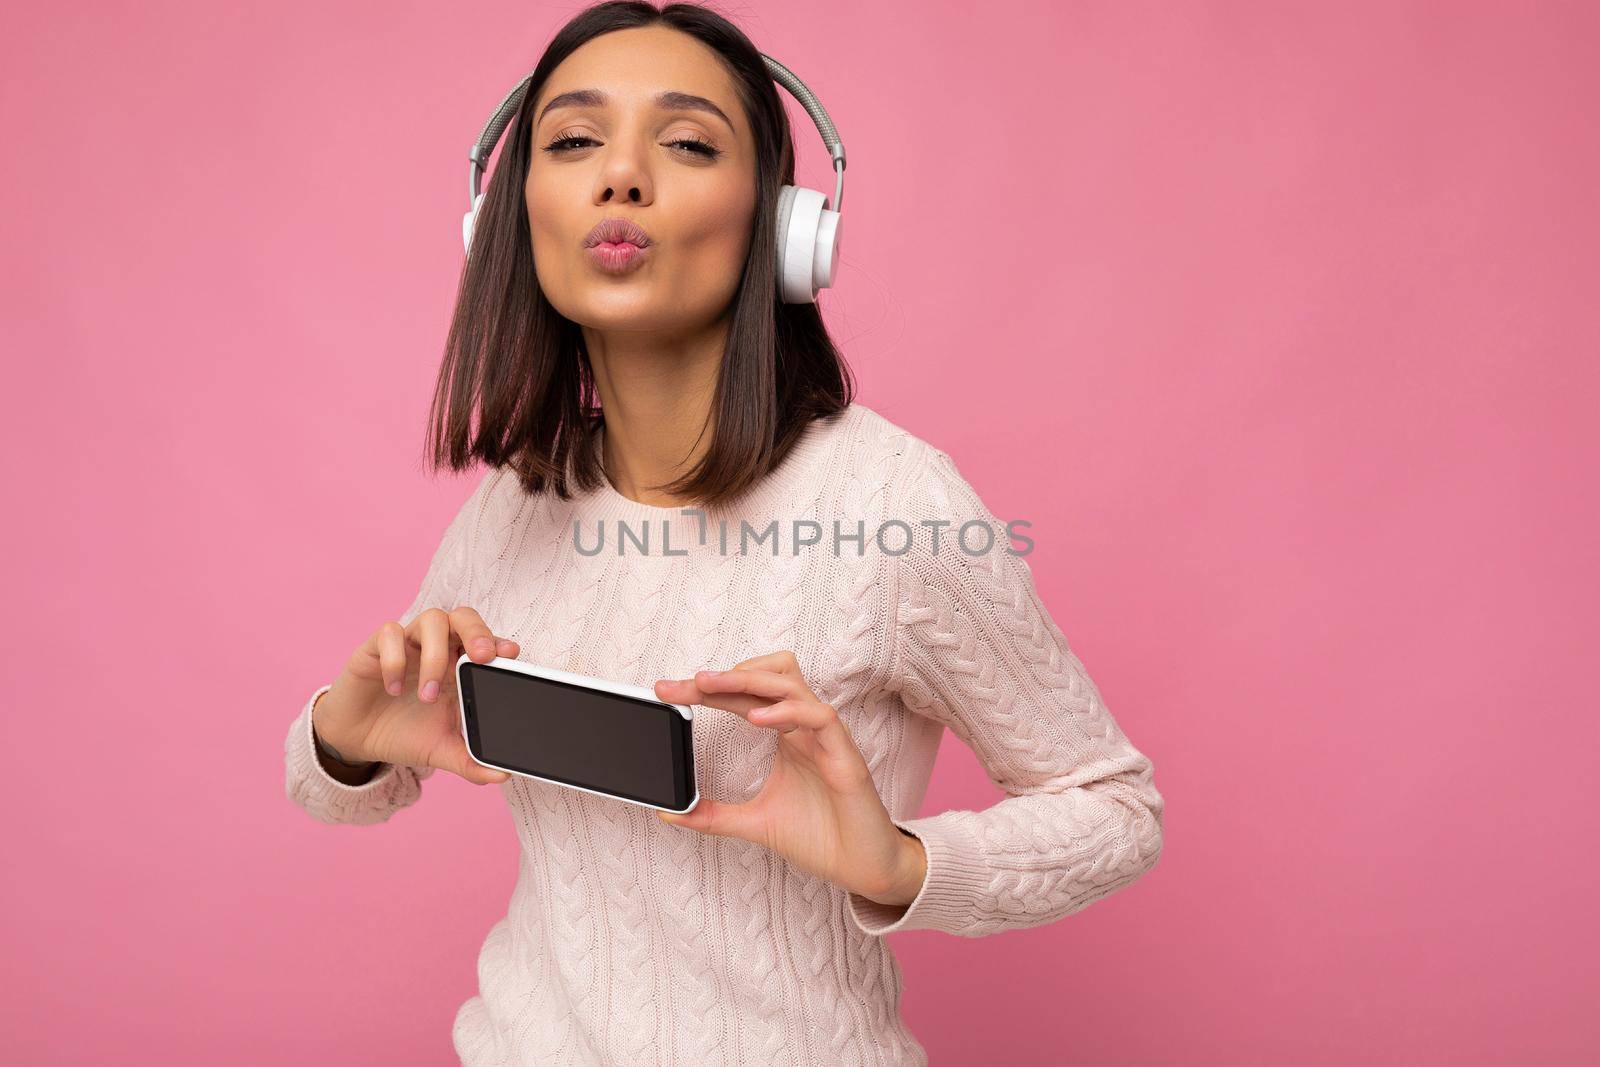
<point x="785" y="205"/>
<point x="470" y="219"/>
<point x="830" y="229"/>
<point x="808" y="244"/>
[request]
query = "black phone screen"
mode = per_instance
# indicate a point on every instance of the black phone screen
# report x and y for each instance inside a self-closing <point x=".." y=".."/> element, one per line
<point x="614" y="744"/>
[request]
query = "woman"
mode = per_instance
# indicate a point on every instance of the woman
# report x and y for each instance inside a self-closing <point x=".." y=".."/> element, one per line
<point x="750" y="929"/>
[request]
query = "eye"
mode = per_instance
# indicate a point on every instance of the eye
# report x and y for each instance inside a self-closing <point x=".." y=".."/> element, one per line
<point x="697" y="145"/>
<point x="563" y="144"/>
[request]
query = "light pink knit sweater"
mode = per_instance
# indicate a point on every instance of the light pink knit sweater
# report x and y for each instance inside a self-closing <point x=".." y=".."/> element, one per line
<point x="630" y="941"/>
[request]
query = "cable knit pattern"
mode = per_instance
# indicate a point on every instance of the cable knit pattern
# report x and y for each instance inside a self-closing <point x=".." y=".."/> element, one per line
<point x="630" y="941"/>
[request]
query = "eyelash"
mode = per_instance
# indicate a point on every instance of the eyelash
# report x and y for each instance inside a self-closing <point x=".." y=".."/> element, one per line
<point x="702" y="147"/>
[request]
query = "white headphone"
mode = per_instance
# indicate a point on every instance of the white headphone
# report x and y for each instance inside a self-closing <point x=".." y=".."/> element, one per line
<point x="808" y="226"/>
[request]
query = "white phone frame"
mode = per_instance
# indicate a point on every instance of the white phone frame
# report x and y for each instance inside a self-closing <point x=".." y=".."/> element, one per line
<point x="603" y="685"/>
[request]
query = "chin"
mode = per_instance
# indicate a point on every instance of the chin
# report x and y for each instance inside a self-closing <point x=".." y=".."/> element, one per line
<point x="620" y="311"/>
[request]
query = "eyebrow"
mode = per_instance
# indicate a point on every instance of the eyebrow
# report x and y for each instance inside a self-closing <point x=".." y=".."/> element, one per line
<point x="669" y="100"/>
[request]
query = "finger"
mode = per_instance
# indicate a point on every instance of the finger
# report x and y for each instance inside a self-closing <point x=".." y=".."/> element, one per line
<point x="753" y="682"/>
<point x="431" y="632"/>
<point x="721" y="820"/>
<point x="773" y="665"/>
<point x="477" y="640"/>
<point x="823" y="719"/>
<point x="777" y="662"/>
<point x="787" y="715"/>
<point x="391" y="639"/>
<point x="685" y="691"/>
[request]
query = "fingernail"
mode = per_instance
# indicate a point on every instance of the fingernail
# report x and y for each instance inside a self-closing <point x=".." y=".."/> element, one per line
<point x="395" y="687"/>
<point x="711" y="674"/>
<point x="430" y="690"/>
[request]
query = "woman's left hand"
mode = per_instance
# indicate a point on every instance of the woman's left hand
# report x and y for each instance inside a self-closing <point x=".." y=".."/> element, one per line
<point x="818" y="807"/>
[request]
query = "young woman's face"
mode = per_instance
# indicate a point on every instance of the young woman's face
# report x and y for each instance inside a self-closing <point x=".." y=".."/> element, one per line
<point x="683" y="173"/>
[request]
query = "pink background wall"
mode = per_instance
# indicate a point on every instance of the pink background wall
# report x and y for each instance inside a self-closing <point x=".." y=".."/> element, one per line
<point x="1277" y="320"/>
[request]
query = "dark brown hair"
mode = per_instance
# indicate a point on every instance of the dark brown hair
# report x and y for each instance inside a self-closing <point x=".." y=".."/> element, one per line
<point x="523" y="367"/>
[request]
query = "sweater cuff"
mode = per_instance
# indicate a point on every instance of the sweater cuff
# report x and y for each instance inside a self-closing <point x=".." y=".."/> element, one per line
<point x="956" y="880"/>
<point x="329" y="799"/>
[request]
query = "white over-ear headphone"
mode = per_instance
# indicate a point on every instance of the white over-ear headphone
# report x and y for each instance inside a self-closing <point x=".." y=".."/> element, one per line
<point x="808" y="225"/>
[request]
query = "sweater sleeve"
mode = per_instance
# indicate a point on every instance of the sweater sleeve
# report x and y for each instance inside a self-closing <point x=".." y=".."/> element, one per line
<point x="395" y="786"/>
<point x="975" y="649"/>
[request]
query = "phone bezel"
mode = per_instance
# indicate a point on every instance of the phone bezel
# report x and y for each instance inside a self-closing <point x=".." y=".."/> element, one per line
<point x="603" y="685"/>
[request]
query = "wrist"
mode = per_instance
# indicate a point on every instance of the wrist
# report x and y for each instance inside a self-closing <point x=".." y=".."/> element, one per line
<point x="913" y="871"/>
<point x="333" y="753"/>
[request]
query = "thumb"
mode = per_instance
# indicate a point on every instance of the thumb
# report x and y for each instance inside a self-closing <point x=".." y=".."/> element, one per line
<point x="460" y="762"/>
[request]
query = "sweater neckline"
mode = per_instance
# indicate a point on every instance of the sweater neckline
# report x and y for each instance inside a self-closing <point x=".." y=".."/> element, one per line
<point x="776" y="490"/>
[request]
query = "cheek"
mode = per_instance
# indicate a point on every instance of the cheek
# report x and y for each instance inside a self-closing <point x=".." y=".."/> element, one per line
<point x="556" y="224"/>
<point x="716" y="229"/>
<point x="545" y="215"/>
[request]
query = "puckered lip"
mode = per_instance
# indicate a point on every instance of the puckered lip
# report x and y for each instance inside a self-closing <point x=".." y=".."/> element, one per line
<point x="617" y="231"/>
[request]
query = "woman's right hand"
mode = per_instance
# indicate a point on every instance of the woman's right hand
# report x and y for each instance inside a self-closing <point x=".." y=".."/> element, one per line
<point x="396" y="700"/>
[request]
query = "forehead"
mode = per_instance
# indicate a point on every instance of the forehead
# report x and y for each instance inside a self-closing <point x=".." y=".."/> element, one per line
<point x="644" y="68"/>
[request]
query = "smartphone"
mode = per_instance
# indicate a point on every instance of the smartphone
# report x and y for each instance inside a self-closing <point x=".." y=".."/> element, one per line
<point x="602" y="737"/>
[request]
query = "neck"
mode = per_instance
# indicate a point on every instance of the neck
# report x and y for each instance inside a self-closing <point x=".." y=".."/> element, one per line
<point x="656" y="391"/>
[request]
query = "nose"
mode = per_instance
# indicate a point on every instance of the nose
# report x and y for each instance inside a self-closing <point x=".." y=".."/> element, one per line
<point x="624" y="174"/>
